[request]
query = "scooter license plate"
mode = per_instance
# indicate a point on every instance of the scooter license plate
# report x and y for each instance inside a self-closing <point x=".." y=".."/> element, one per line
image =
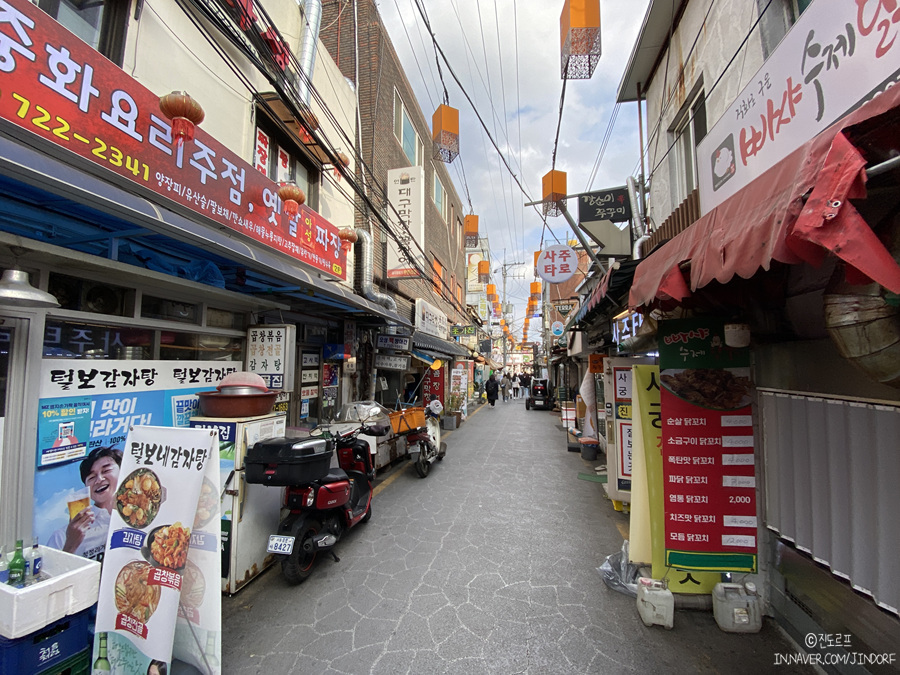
<point x="280" y="544"/>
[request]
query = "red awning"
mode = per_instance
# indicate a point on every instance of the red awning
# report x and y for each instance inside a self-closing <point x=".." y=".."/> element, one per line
<point x="768" y="220"/>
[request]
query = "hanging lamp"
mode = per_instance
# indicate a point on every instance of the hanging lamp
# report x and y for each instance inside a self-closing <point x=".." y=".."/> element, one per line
<point x="579" y="38"/>
<point x="445" y="133"/>
<point x="16" y="291"/>
<point x="184" y="112"/>
<point x="470" y="228"/>
<point x="554" y="190"/>
<point x="291" y="196"/>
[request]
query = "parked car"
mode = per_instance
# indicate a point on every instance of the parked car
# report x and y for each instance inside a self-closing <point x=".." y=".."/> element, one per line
<point x="540" y="396"/>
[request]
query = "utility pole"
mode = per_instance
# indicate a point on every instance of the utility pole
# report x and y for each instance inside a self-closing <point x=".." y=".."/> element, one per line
<point x="504" y="267"/>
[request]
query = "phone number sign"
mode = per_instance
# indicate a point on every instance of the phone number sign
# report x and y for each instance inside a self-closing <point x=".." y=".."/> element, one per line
<point x="56" y="86"/>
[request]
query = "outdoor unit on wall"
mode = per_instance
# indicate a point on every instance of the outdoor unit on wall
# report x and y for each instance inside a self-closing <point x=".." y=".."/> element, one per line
<point x="101" y="298"/>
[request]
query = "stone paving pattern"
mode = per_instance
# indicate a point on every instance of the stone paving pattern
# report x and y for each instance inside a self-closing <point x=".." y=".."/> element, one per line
<point x="488" y="565"/>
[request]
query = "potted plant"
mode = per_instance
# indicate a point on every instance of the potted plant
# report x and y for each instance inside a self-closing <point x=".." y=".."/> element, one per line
<point x="454" y="408"/>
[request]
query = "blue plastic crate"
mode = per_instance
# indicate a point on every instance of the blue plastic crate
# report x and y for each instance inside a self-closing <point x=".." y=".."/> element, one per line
<point x="45" y="648"/>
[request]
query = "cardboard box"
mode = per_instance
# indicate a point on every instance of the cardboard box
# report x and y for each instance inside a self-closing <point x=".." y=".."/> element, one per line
<point x="74" y="585"/>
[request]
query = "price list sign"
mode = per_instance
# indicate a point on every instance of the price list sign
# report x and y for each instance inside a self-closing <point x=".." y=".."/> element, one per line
<point x="708" y="449"/>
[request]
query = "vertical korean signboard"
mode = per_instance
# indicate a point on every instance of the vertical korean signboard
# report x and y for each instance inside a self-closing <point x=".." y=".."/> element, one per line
<point x="406" y="194"/>
<point x="433" y="385"/>
<point x="708" y="448"/>
<point x="270" y="354"/>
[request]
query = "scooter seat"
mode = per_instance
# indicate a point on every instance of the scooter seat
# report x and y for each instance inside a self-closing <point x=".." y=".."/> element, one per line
<point x="334" y="475"/>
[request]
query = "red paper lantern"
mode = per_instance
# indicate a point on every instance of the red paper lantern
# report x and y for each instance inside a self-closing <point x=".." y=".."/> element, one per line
<point x="348" y="237"/>
<point x="184" y="112"/>
<point x="292" y="197"/>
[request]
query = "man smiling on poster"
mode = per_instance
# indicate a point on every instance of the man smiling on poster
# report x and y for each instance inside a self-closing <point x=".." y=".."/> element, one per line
<point x="85" y="535"/>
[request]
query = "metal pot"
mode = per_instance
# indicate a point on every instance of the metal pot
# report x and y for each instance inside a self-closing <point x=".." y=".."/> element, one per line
<point x="217" y="404"/>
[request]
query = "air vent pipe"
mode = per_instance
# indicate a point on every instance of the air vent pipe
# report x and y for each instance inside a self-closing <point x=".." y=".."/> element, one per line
<point x="368" y="271"/>
<point x="312" y="10"/>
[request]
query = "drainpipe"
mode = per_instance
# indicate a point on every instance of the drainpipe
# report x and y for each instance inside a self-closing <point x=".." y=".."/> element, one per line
<point x="368" y="271"/>
<point x="307" y="58"/>
<point x="639" y="217"/>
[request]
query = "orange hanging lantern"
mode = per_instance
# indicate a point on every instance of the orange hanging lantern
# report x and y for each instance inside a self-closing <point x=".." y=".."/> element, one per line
<point x="484" y="271"/>
<point x="579" y="39"/>
<point x="470" y="227"/>
<point x="348" y="237"/>
<point x="292" y="197"/>
<point x="344" y="161"/>
<point x="554" y="190"/>
<point x="184" y="112"/>
<point x="445" y="133"/>
<point x="535" y="290"/>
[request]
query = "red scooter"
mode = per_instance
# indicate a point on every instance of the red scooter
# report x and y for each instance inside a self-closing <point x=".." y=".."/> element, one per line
<point x="322" y="502"/>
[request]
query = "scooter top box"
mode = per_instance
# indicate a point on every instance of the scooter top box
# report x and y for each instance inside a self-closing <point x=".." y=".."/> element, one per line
<point x="288" y="461"/>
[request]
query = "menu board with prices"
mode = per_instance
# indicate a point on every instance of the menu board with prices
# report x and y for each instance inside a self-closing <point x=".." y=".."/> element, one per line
<point x="270" y="354"/>
<point x="708" y="449"/>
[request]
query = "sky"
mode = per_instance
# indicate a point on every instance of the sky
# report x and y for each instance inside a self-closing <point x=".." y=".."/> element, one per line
<point x="506" y="55"/>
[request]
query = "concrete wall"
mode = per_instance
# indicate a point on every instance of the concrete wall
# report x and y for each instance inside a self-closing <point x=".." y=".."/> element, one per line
<point x="686" y="66"/>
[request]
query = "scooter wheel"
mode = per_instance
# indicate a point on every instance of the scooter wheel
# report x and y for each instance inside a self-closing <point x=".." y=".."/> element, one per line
<point x="366" y="518"/>
<point x="299" y="564"/>
<point x="423" y="466"/>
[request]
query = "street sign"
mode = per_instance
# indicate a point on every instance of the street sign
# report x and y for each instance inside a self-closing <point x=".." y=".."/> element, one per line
<point x="557" y="263"/>
<point x="564" y="306"/>
<point x="391" y="362"/>
<point x="611" y="204"/>
<point x="398" y="342"/>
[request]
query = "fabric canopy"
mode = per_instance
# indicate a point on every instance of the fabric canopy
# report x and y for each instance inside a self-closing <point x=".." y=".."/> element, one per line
<point x="768" y="220"/>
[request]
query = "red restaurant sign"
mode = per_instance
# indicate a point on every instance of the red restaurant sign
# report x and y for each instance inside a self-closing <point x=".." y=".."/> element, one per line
<point x="708" y="449"/>
<point x="56" y="86"/>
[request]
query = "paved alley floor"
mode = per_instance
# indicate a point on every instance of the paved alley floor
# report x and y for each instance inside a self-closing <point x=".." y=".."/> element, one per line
<point x="488" y="565"/>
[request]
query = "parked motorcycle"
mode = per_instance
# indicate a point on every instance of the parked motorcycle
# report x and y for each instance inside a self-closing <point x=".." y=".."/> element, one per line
<point x="424" y="442"/>
<point x="322" y="502"/>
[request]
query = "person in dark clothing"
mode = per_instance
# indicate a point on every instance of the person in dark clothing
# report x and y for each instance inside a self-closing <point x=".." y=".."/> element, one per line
<point x="492" y="389"/>
<point x="525" y="382"/>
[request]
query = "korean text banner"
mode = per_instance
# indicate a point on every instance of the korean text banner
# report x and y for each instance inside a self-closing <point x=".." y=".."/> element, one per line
<point x="149" y="540"/>
<point x="709" y="467"/>
<point x="54" y="85"/>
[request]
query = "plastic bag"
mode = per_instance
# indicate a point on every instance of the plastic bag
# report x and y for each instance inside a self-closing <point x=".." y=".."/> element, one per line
<point x="619" y="574"/>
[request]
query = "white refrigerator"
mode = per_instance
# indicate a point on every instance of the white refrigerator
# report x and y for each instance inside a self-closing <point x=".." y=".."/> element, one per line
<point x="250" y="513"/>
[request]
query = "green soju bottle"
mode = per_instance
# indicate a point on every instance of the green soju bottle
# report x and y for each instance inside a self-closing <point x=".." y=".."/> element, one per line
<point x="101" y="665"/>
<point x="17" y="567"/>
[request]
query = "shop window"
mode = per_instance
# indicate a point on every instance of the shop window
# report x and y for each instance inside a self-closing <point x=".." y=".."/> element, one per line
<point x="83" y="295"/>
<point x="169" y="310"/>
<point x="687" y="132"/>
<point x="82" y="340"/>
<point x="777" y="18"/>
<point x="222" y="318"/>
<point x="438" y="274"/>
<point x="281" y="160"/>
<point x="441" y="199"/>
<point x="100" y="23"/>
<point x="405" y="132"/>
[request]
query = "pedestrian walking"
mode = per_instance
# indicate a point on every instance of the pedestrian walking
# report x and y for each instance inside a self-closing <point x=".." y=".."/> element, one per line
<point x="504" y="387"/>
<point x="526" y="384"/>
<point x="515" y="385"/>
<point x="491" y="387"/>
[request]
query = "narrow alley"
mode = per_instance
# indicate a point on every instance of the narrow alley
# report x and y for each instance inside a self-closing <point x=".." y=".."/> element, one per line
<point x="488" y="565"/>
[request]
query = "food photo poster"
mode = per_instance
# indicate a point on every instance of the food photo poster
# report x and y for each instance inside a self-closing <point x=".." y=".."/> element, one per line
<point x="151" y="534"/>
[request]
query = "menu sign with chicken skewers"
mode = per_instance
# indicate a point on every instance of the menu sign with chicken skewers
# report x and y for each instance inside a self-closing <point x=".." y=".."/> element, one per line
<point x="150" y="536"/>
<point x="709" y="467"/>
